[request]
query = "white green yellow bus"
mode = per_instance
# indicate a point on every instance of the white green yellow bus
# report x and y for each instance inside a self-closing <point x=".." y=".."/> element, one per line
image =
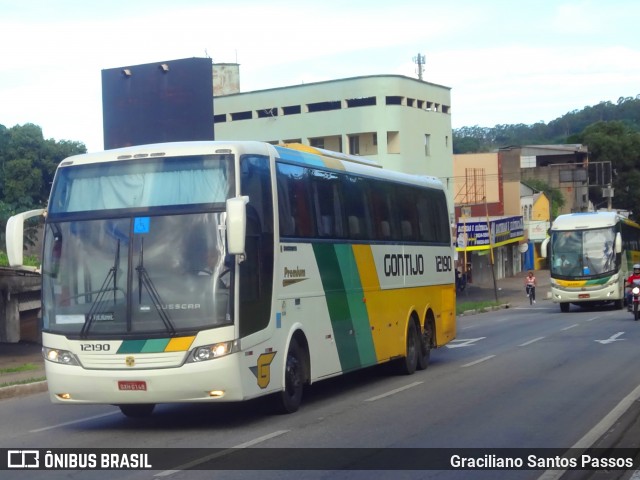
<point x="590" y="255"/>
<point x="224" y="271"/>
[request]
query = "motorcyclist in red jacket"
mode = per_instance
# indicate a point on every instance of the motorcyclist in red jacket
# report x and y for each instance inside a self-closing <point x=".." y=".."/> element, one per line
<point x="633" y="280"/>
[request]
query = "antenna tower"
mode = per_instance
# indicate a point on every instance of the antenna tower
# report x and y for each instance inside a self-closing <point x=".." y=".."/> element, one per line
<point x="419" y="60"/>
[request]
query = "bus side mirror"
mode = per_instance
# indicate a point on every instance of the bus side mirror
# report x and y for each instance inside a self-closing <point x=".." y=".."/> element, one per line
<point x="544" y="248"/>
<point x="15" y="236"/>
<point x="236" y="224"/>
<point x="618" y="244"/>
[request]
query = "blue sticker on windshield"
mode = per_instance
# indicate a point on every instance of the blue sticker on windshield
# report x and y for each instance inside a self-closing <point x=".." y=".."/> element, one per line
<point x="141" y="225"/>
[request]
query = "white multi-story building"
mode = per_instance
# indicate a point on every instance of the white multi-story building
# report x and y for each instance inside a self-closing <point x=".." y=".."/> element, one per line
<point x="402" y="123"/>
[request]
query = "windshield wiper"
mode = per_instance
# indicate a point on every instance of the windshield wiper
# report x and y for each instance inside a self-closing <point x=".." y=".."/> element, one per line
<point x="100" y="300"/>
<point x="145" y="280"/>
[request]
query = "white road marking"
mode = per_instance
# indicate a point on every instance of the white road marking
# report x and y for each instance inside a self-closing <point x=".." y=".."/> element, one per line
<point x="463" y="342"/>
<point x="531" y="341"/>
<point x="570" y="327"/>
<point x="221" y="453"/>
<point x="484" y="359"/>
<point x="611" y="339"/>
<point x="598" y="430"/>
<point x="393" y="392"/>
<point x="80" y="420"/>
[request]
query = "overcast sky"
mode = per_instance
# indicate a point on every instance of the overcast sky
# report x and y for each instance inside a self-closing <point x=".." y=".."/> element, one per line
<point x="506" y="62"/>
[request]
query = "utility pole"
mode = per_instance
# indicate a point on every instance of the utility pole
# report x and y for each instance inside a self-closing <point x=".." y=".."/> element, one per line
<point x="419" y="60"/>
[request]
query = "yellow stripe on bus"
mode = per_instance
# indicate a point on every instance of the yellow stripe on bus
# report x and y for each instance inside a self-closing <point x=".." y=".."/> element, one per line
<point x="179" y="344"/>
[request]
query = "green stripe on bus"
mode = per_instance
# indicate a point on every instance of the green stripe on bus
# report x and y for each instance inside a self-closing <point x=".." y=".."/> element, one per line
<point x="155" y="346"/>
<point x="349" y="321"/>
<point x="357" y="306"/>
<point x="131" y="346"/>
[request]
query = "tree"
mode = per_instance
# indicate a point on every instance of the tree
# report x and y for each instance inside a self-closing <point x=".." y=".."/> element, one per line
<point x="618" y="143"/>
<point x="555" y="196"/>
<point x="27" y="165"/>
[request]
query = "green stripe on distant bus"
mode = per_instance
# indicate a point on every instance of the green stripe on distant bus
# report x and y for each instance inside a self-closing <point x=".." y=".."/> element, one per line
<point x="343" y="291"/>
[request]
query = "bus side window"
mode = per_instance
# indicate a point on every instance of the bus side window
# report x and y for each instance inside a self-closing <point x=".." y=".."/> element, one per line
<point x="357" y="207"/>
<point x="327" y="204"/>
<point x="293" y="201"/>
<point x="382" y="199"/>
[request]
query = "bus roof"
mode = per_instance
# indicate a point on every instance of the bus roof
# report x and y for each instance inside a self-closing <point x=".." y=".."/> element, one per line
<point x="588" y="220"/>
<point x="318" y="157"/>
<point x="297" y="153"/>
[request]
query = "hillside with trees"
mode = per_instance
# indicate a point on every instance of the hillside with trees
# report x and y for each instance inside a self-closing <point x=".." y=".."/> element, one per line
<point x="611" y="132"/>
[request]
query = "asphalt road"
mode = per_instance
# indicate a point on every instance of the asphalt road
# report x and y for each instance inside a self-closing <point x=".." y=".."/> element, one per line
<point x="524" y="377"/>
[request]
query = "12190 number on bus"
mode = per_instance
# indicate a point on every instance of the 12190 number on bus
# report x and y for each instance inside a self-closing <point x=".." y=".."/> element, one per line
<point x="443" y="263"/>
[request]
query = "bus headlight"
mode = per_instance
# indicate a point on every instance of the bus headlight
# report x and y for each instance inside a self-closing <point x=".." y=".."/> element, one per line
<point x="63" y="357"/>
<point x="209" y="352"/>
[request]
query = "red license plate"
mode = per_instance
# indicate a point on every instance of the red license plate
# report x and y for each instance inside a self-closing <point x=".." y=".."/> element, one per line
<point x="584" y="295"/>
<point x="132" y="385"/>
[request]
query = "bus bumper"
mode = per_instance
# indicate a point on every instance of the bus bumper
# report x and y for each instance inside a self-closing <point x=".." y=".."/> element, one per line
<point x="217" y="380"/>
<point x="608" y="294"/>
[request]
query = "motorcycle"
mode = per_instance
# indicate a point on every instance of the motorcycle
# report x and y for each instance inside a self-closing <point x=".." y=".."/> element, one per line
<point x="635" y="302"/>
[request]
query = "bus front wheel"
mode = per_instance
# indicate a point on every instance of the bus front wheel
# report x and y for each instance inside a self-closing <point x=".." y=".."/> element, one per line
<point x="564" y="307"/>
<point x="137" y="410"/>
<point x="289" y="399"/>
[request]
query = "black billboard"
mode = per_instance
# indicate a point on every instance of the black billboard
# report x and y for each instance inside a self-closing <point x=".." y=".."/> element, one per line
<point x="158" y="102"/>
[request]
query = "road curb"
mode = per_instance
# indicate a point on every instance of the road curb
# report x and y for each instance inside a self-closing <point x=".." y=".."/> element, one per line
<point x="485" y="310"/>
<point x="23" y="389"/>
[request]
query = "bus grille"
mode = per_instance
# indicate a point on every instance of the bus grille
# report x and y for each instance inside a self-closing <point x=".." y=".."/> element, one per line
<point x="137" y="361"/>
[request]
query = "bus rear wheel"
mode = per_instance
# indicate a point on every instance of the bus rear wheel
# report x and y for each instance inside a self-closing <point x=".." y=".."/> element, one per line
<point x="289" y="399"/>
<point x="426" y="341"/>
<point x="137" y="410"/>
<point x="408" y="364"/>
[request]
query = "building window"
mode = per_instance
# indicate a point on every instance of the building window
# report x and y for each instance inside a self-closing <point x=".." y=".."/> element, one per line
<point x="222" y="118"/>
<point x="324" y="106"/>
<point x="394" y="100"/>
<point x="427" y="144"/>
<point x="241" y="116"/>
<point x="393" y="142"/>
<point x="354" y="144"/>
<point x="268" y="112"/>
<point x="317" y="142"/>
<point x="361" y="102"/>
<point x="291" y="110"/>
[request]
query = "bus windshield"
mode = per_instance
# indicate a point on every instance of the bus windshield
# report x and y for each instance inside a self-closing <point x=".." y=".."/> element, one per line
<point x="583" y="253"/>
<point x="142" y="183"/>
<point x="119" y="260"/>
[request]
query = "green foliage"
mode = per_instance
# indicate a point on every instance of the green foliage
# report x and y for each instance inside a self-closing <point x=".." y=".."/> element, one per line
<point x="561" y="130"/>
<point x="555" y="195"/>
<point x="27" y="165"/>
<point x="619" y="143"/>
<point x="29" y="260"/>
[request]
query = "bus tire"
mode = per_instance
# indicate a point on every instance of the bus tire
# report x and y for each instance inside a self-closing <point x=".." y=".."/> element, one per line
<point x="138" y="410"/>
<point x="290" y="398"/>
<point x="618" y="304"/>
<point x="426" y="342"/>
<point x="564" y="307"/>
<point x="408" y="364"/>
